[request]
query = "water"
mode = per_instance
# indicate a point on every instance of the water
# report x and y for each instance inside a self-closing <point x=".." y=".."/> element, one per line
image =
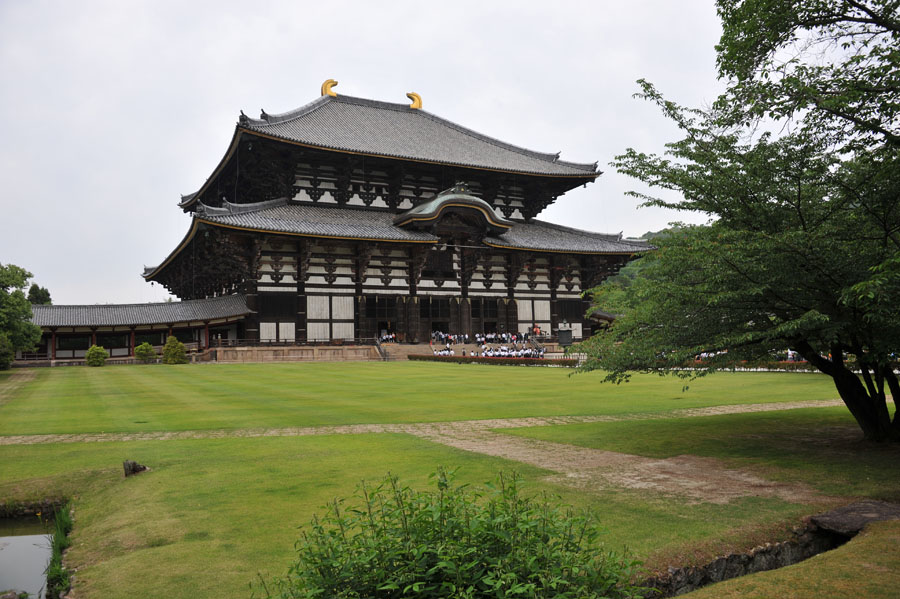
<point x="24" y="555"/>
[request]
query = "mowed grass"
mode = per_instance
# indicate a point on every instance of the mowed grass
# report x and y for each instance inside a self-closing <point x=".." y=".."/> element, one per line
<point x="214" y="396"/>
<point x="212" y="513"/>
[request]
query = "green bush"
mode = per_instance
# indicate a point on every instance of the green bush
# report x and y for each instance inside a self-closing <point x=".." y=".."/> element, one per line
<point x="145" y="352"/>
<point x="174" y="352"/>
<point x="96" y="356"/>
<point x="452" y="542"/>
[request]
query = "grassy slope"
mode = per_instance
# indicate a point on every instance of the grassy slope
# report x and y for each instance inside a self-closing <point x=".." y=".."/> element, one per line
<point x="155" y="398"/>
<point x="212" y="513"/>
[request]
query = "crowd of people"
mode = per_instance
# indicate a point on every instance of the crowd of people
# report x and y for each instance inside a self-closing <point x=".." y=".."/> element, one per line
<point x="511" y="345"/>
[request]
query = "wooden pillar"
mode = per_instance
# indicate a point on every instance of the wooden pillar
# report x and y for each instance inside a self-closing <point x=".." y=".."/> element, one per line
<point x="465" y="316"/>
<point x="401" y="314"/>
<point x="131" y="343"/>
<point x="413" y="312"/>
<point x="52" y="344"/>
<point x="93" y="336"/>
<point x="455" y="309"/>
<point x="206" y="334"/>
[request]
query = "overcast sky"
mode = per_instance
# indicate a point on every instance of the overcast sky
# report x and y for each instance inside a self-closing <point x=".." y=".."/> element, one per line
<point x="113" y="109"/>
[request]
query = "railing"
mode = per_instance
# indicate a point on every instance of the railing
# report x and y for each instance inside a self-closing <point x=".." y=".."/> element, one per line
<point x="381" y="351"/>
<point x="312" y="342"/>
<point x="33" y="356"/>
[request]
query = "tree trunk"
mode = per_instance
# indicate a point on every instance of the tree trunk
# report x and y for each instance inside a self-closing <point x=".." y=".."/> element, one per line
<point x="875" y="423"/>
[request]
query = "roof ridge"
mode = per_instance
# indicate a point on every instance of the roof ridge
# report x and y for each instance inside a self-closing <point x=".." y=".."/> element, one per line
<point x="162" y="303"/>
<point x="610" y="236"/>
<point x="272" y="119"/>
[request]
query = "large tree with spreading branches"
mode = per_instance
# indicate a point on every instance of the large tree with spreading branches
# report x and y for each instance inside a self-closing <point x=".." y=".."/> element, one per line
<point x="797" y="165"/>
<point x="17" y="332"/>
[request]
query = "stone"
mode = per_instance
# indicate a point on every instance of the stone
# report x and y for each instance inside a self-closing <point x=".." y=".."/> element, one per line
<point x="131" y="467"/>
<point x="850" y="519"/>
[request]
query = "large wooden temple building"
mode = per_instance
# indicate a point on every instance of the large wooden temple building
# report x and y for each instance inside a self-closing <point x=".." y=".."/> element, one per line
<point x="347" y="218"/>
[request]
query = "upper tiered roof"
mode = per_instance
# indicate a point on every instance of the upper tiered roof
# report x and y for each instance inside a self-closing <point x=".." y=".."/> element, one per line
<point x="371" y="127"/>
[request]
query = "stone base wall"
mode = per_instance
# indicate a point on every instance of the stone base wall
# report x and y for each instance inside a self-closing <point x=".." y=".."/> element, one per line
<point x="298" y="353"/>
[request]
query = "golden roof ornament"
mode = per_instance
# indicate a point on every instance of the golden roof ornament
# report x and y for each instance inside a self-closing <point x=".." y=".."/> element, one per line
<point x="416" y="100"/>
<point x="326" y="88"/>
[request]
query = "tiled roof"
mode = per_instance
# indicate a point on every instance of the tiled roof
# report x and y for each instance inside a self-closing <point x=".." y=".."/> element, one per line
<point x="543" y="236"/>
<point x="395" y="130"/>
<point x="317" y="221"/>
<point x="140" y="314"/>
<point x="347" y="223"/>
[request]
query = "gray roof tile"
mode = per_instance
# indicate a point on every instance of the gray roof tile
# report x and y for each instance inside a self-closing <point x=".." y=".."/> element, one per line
<point x="348" y="223"/>
<point x="140" y="314"/>
<point x="544" y="236"/>
<point x="319" y="221"/>
<point x="396" y="130"/>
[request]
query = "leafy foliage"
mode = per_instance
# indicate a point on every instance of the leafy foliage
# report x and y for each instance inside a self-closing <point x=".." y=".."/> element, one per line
<point x="16" y="329"/>
<point x="452" y="542"/>
<point x="96" y="356"/>
<point x="174" y="351"/>
<point x="39" y="295"/>
<point x="145" y="352"/>
<point x="803" y="248"/>
<point x="832" y="62"/>
<point x="57" y="575"/>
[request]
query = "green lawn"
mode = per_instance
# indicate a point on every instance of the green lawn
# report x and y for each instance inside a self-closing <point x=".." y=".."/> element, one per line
<point x="212" y="396"/>
<point x="212" y="513"/>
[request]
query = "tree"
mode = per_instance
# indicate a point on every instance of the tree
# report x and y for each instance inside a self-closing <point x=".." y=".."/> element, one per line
<point x="803" y="247"/>
<point x="174" y="351"/>
<point x="17" y="332"/>
<point x="39" y="295"/>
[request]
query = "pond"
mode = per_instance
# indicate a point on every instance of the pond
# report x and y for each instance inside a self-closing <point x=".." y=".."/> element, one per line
<point x="24" y="555"/>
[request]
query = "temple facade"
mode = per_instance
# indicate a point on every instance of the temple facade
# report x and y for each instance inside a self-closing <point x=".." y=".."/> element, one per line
<point x="349" y="218"/>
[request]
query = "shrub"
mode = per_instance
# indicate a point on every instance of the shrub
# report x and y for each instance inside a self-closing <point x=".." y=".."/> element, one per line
<point x="145" y="352"/>
<point x="174" y="352"/>
<point x="452" y="542"/>
<point x="96" y="356"/>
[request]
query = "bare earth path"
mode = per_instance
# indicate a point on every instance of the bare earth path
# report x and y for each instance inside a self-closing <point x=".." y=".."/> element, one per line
<point x="696" y="479"/>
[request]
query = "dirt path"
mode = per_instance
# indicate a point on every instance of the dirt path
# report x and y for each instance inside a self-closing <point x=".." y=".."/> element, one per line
<point x="696" y="479"/>
<point x="14" y="381"/>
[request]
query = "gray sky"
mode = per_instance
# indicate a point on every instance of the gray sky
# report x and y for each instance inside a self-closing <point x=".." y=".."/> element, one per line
<point x="114" y="109"/>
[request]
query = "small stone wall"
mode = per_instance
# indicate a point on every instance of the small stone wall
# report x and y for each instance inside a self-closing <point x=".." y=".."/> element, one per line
<point x="298" y="353"/>
<point x="809" y="542"/>
<point x="822" y="533"/>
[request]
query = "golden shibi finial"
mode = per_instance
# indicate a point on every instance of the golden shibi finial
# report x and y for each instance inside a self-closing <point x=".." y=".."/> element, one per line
<point x="326" y="87"/>
<point x="416" y="100"/>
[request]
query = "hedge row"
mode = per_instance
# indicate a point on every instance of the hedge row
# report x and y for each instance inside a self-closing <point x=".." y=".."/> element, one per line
<point x="567" y="362"/>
